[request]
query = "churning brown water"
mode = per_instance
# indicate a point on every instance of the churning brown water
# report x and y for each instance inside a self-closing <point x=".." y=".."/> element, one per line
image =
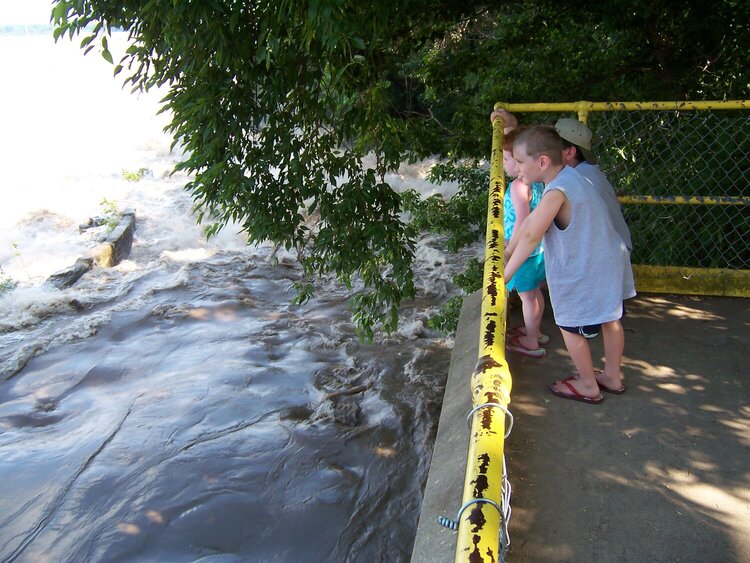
<point x="178" y="407"/>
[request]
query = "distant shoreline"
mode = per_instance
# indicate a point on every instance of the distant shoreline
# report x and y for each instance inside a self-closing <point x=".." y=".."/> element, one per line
<point x="26" y="29"/>
<point x="34" y="29"/>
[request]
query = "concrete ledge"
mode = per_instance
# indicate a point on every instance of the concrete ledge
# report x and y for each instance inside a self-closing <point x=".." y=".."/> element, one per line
<point x="69" y="276"/>
<point x="103" y="254"/>
<point x="121" y="238"/>
<point x="445" y="481"/>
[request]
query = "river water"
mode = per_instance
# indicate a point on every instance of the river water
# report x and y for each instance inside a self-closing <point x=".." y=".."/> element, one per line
<point x="177" y="407"/>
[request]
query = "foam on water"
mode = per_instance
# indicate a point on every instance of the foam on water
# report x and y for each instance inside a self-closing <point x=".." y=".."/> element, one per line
<point x="71" y="131"/>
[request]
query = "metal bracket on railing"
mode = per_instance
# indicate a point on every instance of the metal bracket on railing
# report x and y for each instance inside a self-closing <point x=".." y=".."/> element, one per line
<point x="453" y="524"/>
<point x="504" y="511"/>
<point x="497" y="406"/>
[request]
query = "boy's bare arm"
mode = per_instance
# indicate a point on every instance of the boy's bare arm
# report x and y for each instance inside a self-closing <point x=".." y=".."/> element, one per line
<point x="511" y="246"/>
<point x="533" y="229"/>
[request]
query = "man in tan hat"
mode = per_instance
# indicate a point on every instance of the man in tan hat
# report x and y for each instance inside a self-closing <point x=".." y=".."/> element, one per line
<point x="577" y="139"/>
<point x="576" y="134"/>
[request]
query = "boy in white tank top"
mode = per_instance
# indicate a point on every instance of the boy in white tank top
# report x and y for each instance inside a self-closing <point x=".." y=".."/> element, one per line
<point x="588" y="268"/>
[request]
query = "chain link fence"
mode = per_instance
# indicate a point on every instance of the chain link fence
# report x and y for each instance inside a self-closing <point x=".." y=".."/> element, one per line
<point x="681" y="172"/>
<point x="696" y="166"/>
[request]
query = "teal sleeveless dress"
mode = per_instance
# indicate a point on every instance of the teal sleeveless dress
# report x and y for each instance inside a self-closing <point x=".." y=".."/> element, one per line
<point x="531" y="273"/>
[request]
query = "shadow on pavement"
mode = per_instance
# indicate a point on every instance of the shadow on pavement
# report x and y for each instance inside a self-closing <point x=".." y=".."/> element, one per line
<point x="661" y="473"/>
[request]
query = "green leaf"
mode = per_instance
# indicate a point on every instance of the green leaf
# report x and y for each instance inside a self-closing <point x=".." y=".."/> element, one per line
<point x="60" y="11"/>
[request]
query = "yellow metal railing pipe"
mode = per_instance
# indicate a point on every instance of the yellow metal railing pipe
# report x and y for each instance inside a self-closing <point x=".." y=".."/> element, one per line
<point x="480" y="523"/>
<point x="683" y="200"/>
<point x="586" y="107"/>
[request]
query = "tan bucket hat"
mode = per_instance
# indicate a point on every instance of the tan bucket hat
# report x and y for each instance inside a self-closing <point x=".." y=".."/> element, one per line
<point x="577" y="133"/>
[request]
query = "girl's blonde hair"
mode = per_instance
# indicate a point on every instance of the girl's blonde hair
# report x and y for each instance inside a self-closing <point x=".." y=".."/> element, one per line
<point x="509" y="137"/>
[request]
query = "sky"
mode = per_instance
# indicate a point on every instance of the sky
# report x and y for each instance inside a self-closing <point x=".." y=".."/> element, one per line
<point x="16" y="12"/>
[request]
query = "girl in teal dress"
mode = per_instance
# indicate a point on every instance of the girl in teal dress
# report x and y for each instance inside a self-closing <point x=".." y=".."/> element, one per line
<point x="520" y="199"/>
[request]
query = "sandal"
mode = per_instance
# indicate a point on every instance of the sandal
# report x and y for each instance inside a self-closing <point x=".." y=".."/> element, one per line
<point x="520" y="329"/>
<point x="574" y="394"/>
<point x="515" y="345"/>
<point x="606" y="389"/>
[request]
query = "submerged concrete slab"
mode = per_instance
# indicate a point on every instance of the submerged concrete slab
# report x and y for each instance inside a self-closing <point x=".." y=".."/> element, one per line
<point x="70" y="275"/>
<point x="661" y="473"/>
<point x="107" y="254"/>
<point x="121" y="237"/>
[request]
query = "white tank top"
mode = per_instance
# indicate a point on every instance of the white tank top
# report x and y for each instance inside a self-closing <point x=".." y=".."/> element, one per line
<point x="588" y="264"/>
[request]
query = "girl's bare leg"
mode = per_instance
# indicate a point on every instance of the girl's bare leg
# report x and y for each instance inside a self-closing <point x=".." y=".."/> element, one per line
<point x="532" y="317"/>
<point x="540" y="308"/>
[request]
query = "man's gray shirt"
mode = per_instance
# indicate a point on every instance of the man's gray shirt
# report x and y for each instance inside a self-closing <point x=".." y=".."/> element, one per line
<point x="594" y="174"/>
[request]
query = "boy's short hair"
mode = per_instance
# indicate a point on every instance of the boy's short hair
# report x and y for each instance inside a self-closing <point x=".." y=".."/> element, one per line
<point x="541" y="140"/>
<point x="510" y="136"/>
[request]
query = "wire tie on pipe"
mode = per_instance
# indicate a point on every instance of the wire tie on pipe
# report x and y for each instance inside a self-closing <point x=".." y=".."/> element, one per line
<point x="494" y="405"/>
<point x="453" y="524"/>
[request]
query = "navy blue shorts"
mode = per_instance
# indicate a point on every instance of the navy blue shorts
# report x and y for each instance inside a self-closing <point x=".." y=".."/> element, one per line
<point x="588" y="331"/>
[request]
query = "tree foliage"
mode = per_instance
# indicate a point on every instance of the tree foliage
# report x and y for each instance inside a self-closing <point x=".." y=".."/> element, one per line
<point x="278" y="103"/>
<point x="567" y="51"/>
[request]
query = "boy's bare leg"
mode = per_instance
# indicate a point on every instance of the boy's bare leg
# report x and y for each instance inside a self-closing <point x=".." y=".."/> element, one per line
<point x="614" y="346"/>
<point x="580" y="353"/>
<point x="532" y="317"/>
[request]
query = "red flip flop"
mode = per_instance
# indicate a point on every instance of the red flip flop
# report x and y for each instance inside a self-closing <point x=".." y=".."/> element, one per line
<point x="606" y="389"/>
<point x="574" y="394"/>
